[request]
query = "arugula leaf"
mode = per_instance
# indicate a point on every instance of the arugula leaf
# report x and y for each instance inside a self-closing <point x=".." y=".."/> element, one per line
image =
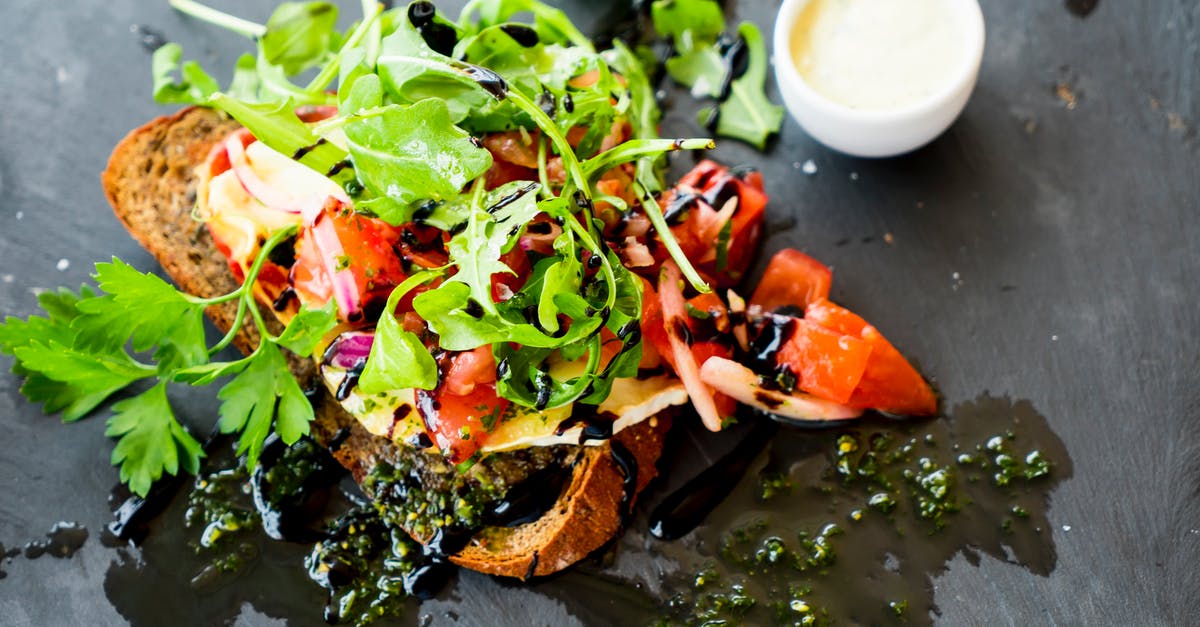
<point x="413" y="71"/>
<point x="299" y="35"/>
<point x="245" y="83"/>
<point x="307" y="328"/>
<point x="563" y="276"/>
<point x="263" y="395"/>
<point x="194" y="86"/>
<point x="688" y="22"/>
<point x="447" y="311"/>
<point x="702" y="68"/>
<point x="521" y="66"/>
<point x="488" y="234"/>
<point x="150" y="440"/>
<point x="551" y="24"/>
<point x="276" y="125"/>
<point x="411" y="152"/>
<point x="398" y="360"/>
<point x="747" y="114"/>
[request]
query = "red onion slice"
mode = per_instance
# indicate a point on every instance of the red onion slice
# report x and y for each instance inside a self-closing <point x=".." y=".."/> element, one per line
<point x="735" y="380"/>
<point x="349" y="350"/>
<point x="674" y="312"/>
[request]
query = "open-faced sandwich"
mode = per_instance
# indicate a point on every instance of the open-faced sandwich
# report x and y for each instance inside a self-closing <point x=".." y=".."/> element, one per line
<point x="492" y="301"/>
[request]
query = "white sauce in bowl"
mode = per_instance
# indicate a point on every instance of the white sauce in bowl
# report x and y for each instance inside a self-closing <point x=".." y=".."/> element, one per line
<point x="879" y="54"/>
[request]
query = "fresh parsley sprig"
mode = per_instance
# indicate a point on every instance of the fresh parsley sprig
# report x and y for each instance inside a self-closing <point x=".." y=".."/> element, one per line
<point x="93" y="344"/>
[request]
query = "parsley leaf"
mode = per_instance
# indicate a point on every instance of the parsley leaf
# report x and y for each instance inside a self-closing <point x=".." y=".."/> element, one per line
<point x="747" y="114"/>
<point x="102" y="374"/>
<point x="144" y="308"/>
<point x="150" y="440"/>
<point x="307" y="328"/>
<point x="263" y="395"/>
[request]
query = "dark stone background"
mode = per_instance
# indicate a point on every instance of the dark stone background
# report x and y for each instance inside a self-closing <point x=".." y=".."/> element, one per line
<point x="1044" y="248"/>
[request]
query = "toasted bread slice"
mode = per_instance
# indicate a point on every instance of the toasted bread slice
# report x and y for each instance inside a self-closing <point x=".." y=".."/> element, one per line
<point x="150" y="182"/>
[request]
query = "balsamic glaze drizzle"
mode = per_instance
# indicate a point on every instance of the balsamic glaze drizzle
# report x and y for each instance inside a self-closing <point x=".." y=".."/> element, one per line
<point x="687" y="507"/>
<point x="628" y="466"/>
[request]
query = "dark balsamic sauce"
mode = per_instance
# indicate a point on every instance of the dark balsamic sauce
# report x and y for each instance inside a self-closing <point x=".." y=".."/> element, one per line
<point x="285" y="500"/>
<point x="677" y="208"/>
<point x="511" y="198"/>
<point x="774" y="333"/>
<point x="441" y="38"/>
<point x="528" y="500"/>
<point x="521" y="34"/>
<point x="304" y="150"/>
<point x="1081" y="8"/>
<point x="338" y="167"/>
<point x="285" y="298"/>
<point x="627" y="465"/>
<point x="681" y="511"/>
<point x="350" y="381"/>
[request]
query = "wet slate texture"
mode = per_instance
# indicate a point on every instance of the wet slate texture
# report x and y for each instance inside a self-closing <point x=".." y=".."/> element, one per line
<point x="1044" y="248"/>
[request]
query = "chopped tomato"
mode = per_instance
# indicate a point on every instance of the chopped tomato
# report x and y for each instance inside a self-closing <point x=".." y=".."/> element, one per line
<point x="469" y="368"/>
<point x="423" y="245"/>
<point x="889" y="383"/>
<point x="792" y="278"/>
<point x="457" y="424"/>
<point x="347" y="257"/>
<point x="826" y="364"/>
<point x="654" y="330"/>
<point x="722" y="251"/>
<point x="505" y="284"/>
<point x="503" y="172"/>
<point x="513" y="147"/>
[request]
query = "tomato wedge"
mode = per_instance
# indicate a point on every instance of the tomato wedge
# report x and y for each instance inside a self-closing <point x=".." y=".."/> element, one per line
<point x="826" y="364"/>
<point x="890" y="383"/>
<point x="792" y="278"/>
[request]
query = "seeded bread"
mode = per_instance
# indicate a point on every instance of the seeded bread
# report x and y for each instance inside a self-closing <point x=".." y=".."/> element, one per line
<point x="150" y="182"/>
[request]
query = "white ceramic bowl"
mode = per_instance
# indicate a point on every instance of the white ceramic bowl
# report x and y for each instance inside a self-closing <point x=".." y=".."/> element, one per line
<point x="875" y="132"/>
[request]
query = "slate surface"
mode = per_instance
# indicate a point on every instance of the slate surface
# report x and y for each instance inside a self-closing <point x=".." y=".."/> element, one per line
<point x="1044" y="248"/>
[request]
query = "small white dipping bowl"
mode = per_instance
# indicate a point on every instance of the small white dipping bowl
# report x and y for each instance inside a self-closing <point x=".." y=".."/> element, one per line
<point x="875" y="132"/>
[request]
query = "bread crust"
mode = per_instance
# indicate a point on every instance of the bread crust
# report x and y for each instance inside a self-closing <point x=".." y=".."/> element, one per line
<point x="150" y="181"/>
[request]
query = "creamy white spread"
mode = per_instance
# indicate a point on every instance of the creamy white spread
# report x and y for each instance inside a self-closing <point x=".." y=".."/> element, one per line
<point x="879" y="54"/>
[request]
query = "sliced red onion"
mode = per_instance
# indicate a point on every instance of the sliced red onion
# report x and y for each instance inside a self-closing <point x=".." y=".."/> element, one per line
<point x="674" y="312"/>
<point x="255" y="186"/>
<point x="735" y="380"/>
<point x="349" y="350"/>
<point x="329" y="247"/>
